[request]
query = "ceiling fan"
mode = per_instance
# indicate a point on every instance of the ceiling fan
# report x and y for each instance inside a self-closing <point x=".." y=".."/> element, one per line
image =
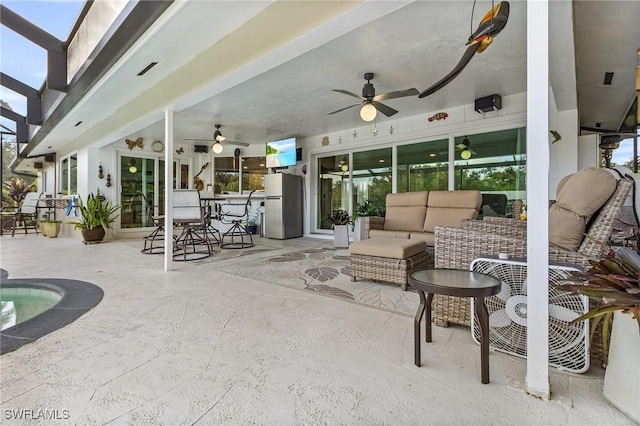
<point x="218" y="139"/>
<point x="465" y="147"/>
<point x="371" y="103"/>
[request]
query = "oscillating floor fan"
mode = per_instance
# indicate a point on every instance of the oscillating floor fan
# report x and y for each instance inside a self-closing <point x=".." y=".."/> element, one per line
<point x="568" y="344"/>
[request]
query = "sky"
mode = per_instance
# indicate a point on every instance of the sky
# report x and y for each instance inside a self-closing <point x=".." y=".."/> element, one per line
<point x="24" y="60"/>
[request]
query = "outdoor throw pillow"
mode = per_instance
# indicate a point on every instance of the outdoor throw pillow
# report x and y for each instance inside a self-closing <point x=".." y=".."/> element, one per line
<point x="583" y="194"/>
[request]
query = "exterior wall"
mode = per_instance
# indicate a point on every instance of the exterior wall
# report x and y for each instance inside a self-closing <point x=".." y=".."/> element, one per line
<point x="563" y="154"/>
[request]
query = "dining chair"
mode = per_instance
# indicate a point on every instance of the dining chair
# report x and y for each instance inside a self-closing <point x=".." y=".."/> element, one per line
<point x="238" y="237"/>
<point x="27" y="212"/>
<point x="192" y="243"/>
<point x="154" y="242"/>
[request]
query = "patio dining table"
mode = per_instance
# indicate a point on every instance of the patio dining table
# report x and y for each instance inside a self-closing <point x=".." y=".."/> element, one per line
<point x="53" y="204"/>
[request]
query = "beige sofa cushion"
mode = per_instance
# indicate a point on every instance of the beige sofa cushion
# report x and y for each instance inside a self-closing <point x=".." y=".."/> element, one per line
<point x="387" y="247"/>
<point x="578" y="199"/>
<point x="448" y="208"/>
<point x="406" y="211"/>
<point x="385" y="233"/>
<point x="427" y="237"/>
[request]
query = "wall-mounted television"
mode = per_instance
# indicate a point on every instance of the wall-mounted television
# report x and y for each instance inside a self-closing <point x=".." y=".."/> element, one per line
<point x="281" y="153"/>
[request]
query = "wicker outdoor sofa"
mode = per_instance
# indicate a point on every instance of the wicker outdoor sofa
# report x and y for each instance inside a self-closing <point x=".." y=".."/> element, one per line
<point x="456" y="248"/>
<point x="414" y="215"/>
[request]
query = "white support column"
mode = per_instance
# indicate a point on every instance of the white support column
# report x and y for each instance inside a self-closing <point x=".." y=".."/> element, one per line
<point x="452" y="160"/>
<point x="168" y="190"/>
<point x="394" y="169"/>
<point x="537" y="381"/>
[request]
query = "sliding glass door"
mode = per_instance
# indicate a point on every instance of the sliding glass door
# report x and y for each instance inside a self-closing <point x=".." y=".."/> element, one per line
<point x="143" y="179"/>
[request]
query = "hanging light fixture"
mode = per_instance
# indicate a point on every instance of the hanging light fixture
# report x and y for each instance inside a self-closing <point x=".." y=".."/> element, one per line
<point x="368" y="112"/>
<point x="133" y="168"/>
<point x="344" y="165"/>
<point x="465" y="154"/>
<point x="217" y="147"/>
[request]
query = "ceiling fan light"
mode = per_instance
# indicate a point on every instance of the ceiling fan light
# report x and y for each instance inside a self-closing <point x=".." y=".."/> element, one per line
<point x="344" y="167"/>
<point x="368" y="112"/>
<point x="465" y="154"/>
<point x="217" y="147"/>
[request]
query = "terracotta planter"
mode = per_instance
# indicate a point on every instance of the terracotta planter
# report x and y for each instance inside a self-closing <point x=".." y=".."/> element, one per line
<point x="94" y="235"/>
<point x="621" y="384"/>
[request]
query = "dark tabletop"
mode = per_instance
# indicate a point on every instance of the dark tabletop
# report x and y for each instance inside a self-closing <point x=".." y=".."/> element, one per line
<point x="453" y="282"/>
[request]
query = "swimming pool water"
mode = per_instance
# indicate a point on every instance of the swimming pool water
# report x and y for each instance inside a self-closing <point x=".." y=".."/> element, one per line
<point x="22" y="303"/>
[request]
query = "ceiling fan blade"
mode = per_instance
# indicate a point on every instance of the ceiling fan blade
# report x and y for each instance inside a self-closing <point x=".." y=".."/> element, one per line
<point x="342" y="109"/>
<point x="461" y="146"/>
<point x="386" y="110"/>
<point x="346" y="92"/>
<point x="227" y="141"/>
<point x="397" y="94"/>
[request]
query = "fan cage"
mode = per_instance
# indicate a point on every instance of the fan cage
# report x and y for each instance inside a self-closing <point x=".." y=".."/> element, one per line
<point x="568" y="344"/>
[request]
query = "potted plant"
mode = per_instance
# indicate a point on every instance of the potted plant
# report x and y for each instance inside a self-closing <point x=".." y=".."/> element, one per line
<point x="613" y="281"/>
<point x="50" y="228"/>
<point x="341" y="221"/>
<point x="97" y="215"/>
<point x="252" y="223"/>
<point x="360" y="217"/>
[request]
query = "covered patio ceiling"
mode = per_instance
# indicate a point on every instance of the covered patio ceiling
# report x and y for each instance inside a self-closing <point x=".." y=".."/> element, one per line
<point x="263" y="88"/>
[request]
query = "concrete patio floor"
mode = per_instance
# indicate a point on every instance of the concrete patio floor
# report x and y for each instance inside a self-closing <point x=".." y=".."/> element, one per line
<point x="201" y="346"/>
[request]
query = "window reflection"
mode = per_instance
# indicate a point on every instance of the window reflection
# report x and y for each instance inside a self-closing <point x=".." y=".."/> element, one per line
<point x="496" y="165"/>
<point x="372" y="177"/>
<point x="333" y="189"/>
<point x="423" y="166"/>
<point x="253" y="171"/>
<point x="226" y="177"/>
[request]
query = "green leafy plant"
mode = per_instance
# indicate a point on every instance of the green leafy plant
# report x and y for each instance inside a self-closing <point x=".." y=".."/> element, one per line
<point x="614" y="283"/>
<point x="366" y="209"/>
<point x="253" y="220"/>
<point x="95" y="212"/>
<point x="15" y="189"/>
<point x="50" y="221"/>
<point x="341" y="217"/>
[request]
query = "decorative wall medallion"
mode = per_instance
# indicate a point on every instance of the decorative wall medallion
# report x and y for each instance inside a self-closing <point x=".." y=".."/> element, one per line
<point x="325" y="141"/>
<point x="438" y="116"/>
<point x="157" y="146"/>
<point x="355" y="134"/>
<point x="390" y="130"/>
<point x="132" y="144"/>
<point x="340" y="140"/>
<point x="375" y="132"/>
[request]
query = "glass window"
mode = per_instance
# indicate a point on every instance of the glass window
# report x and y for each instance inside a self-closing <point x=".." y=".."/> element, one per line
<point x="333" y="188"/>
<point x="253" y="172"/>
<point x="69" y="175"/>
<point x="423" y="166"/>
<point x="226" y="177"/>
<point x="494" y="163"/>
<point x="372" y="178"/>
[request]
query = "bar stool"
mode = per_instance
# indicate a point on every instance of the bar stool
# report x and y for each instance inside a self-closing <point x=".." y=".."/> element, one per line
<point x="238" y="236"/>
<point x="193" y="242"/>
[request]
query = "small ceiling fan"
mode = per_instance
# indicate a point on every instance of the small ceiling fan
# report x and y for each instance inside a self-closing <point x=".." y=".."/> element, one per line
<point x="371" y="103"/>
<point x="465" y="148"/>
<point x="218" y="139"/>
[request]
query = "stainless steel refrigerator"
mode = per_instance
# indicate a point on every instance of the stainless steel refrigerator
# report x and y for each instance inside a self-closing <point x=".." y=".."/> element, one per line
<point x="283" y="206"/>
